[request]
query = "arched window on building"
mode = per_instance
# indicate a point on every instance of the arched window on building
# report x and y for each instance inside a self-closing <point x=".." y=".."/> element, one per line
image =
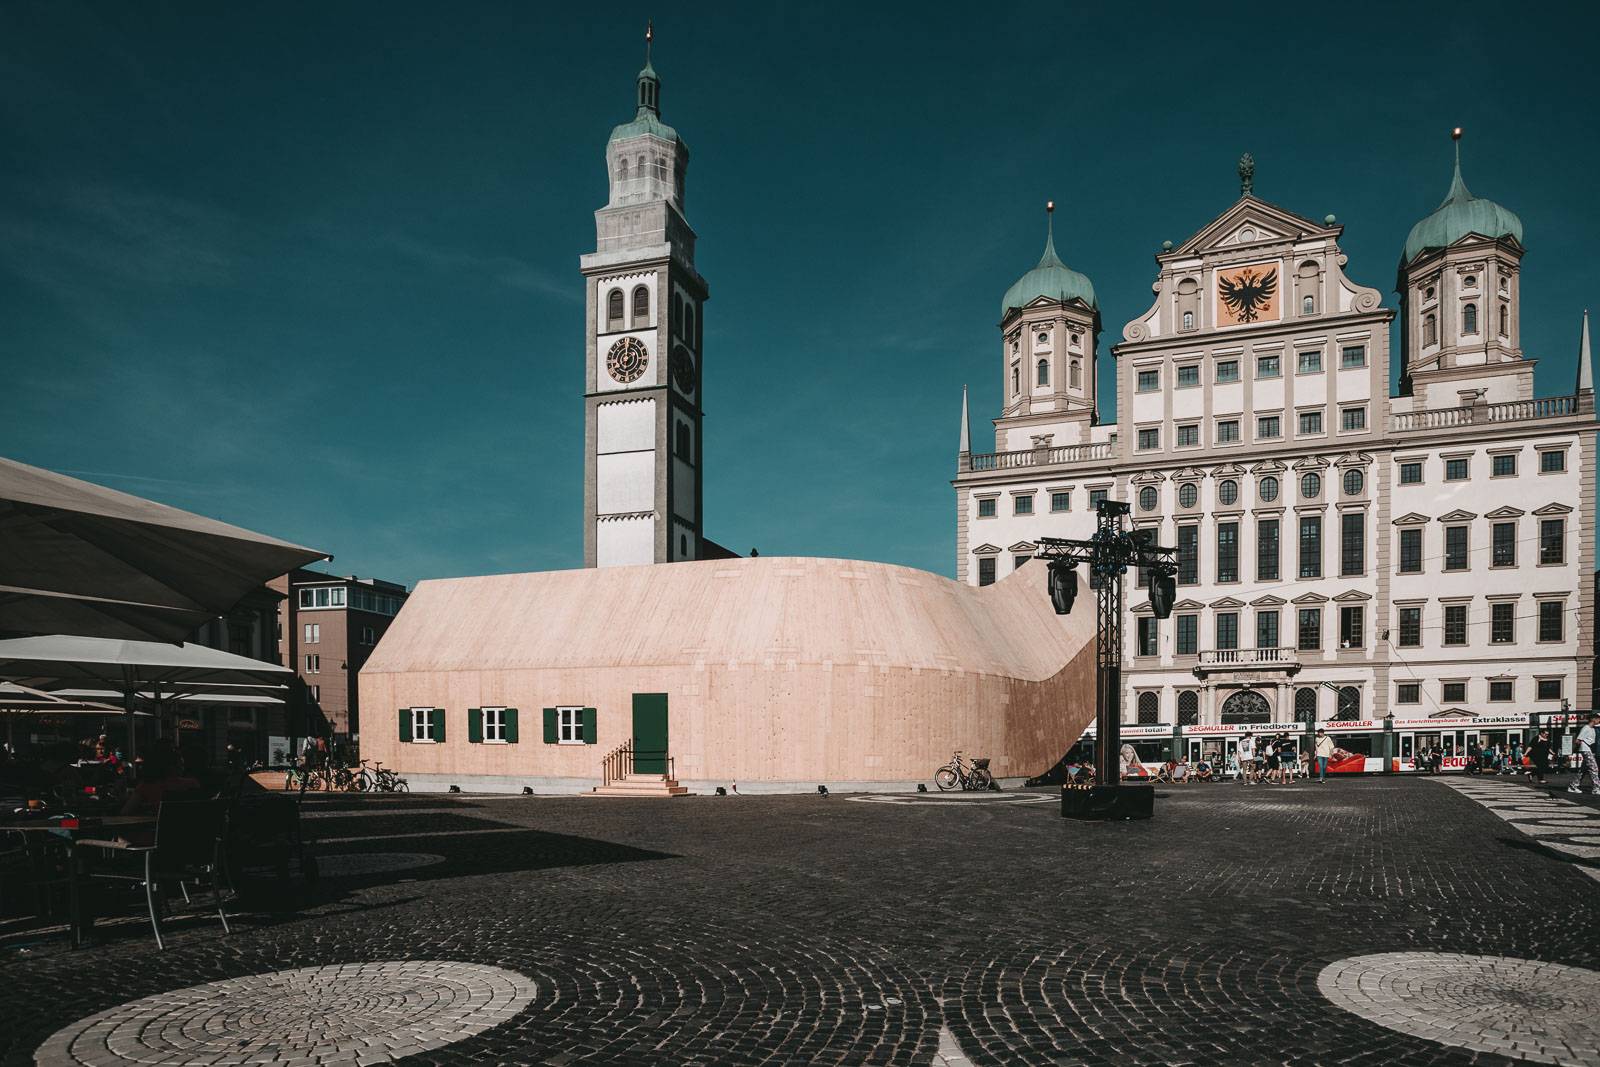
<point x="1308" y="305"/>
<point x="1044" y="372"/>
<point x="641" y="306"/>
<point x="1349" y="703"/>
<point x="1016" y="380"/>
<point x="1305" y="705"/>
<point x="1245" y="706"/>
<point x="1149" y="709"/>
<point x="1469" y="318"/>
<point x="1188" y="708"/>
<point x="683" y="447"/>
<point x="622" y="171"/>
<point x="1077" y="375"/>
<point x="638" y="167"/>
<point x="1505" y="321"/>
<point x="1188" y="320"/>
<point x="614" y="310"/>
<point x="1430" y="330"/>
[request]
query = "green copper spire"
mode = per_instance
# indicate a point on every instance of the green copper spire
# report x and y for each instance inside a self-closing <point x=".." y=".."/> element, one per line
<point x="1051" y="278"/>
<point x="647" y="119"/>
<point x="1459" y="214"/>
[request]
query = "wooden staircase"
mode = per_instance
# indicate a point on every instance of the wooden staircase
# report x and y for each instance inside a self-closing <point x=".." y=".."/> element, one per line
<point x="619" y="779"/>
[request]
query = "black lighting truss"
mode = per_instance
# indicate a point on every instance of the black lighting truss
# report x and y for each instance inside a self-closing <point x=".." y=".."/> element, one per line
<point x="1107" y="556"/>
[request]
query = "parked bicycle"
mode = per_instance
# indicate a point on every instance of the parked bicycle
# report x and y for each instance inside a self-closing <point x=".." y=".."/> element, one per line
<point x="381" y="779"/>
<point x="301" y="778"/>
<point x="958" y="773"/>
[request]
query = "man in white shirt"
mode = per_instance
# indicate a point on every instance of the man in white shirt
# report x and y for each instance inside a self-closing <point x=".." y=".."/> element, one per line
<point x="1585" y="752"/>
<point x="1247" y="759"/>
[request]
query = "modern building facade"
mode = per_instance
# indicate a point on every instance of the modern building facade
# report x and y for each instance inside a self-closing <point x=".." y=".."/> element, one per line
<point x="1346" y="552"/>
<point x="328" y="626"/>
<point x="642" y="495"/>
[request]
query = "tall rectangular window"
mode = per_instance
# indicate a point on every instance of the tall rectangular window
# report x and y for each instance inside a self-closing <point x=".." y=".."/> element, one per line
<point x="1096" y="498"/>
<point x="1311" y="422"/>
<point x="1227" y="630"/>
<point x="1268" y="366"/>
<point x="1455" y="548"/>
<point x="1267" y="628"/>
<point x="1352" y="543"/>
<point x="1149" y="381"/>
<point x="1189" y="555"/>
<point x="1552" y="462"/>
<point x="1455" y="624"/>
<point x="1411" y="550"/>
<point x="1188" y="635"/>
<point x="1352" y="419"/>
<point x="1502" y="622"/>
<point x="1188" y="435"/>
<point x="1061" y="501"/>
<point x="1311" y="546"/>
<point x="1455" y="470"/>
<point x="1227" y="370"/>
<point x="1411" y="473"/>
<point x="986" y="570"/>
<point x="1410" y="628"/>
<point x="1227" y="431"/>
<point x="1309" y="638"/>
<point x="1505" y="544"/>
<point x="1309" y="362"/>
<point x="1552" y="620"/>
<point x="1148" y="635"/>
<point x="1269" y="427"/>
<point x="1227" y="552"/>
<point x="1552" y="540"/>
<point x="1022" y="505"/>
<point x="313" y="663"/>
<point x="1149" y="438"/>
<point x="986" y="507"/>
<point x="1352" y="626"/>
<point x="1267" y="550"/>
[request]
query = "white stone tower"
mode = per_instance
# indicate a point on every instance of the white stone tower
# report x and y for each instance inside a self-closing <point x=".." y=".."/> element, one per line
<point x="642" y="347"/>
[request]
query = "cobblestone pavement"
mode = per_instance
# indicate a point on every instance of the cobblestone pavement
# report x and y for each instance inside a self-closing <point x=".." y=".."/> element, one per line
<point x="816" y="930"/>
<point x="1563" y="824"/>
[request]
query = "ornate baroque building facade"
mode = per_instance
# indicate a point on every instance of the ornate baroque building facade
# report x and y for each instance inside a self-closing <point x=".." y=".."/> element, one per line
<point x="1346" y="551"/>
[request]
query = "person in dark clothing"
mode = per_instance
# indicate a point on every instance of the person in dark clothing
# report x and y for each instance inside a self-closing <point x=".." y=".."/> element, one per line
<point x="1539" y="752"/>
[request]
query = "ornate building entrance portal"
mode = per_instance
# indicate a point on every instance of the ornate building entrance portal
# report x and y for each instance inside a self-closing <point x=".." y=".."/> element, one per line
<point x="1246" y="706"/>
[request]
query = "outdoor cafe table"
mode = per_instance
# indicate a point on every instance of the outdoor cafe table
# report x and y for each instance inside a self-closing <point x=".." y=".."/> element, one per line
<point x="72" y="831"/>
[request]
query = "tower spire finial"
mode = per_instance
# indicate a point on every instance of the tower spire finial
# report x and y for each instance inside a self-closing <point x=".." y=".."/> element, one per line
<point x="1585" y="367"/>
<point x="1049" y="234"/>
<point x="1247" y="174"/>
<point x="649" y="35"/>
<point x="965" y="447"/>
<point x="1458" y="187"/>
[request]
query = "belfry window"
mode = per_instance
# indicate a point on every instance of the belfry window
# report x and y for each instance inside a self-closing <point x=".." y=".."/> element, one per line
<point x="614" y="310"/>
<point x="1469" y="318"/>
<point x="1308" y="305"/>
<point x="1430" y="330"/>
<point x="1188" y="320"/>
<point x="641" y="306"/>
<point x="1044" y="372"/>
<point x="622" y="171"/>
<point x="1505" y="321"/>
<point x="1077" y="375"/>
<point x="683" y="447"/>
<point x="1016" y="380"/>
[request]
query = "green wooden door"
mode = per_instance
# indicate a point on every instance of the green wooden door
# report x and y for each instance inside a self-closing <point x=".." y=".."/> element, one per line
<point x="650" y="733"/>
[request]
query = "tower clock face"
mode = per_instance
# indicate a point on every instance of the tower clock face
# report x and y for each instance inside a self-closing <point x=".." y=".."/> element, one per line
<point x="627" y="360"/>
<point x="683" y="369"/>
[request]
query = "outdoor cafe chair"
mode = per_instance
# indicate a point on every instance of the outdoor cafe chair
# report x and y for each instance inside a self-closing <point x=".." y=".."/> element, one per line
<point x="264" y="833"/>
<point x="188" y="845"/>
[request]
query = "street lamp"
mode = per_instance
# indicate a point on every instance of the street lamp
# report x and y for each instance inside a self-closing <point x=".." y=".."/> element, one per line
<point x="1108" y="555"/>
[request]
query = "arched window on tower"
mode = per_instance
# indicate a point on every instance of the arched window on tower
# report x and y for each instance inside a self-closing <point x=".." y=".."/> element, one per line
<point x="1308" y="305"/>
<point x="1016" y="380"/>
<point x="614" y="310"/>
<point x="683" y="447"/>
<point x="1469" y="318"/>
<point x="638" y="167"/>
<point x="1505" y="321"/>
<point x="1077" y="375"/>
<point x="1305" y="705"/>
<point x="677" y="315"/>
<point x="1188" y="708"/>
<point x="1043" y="372"/>
<point x="641" y="306"/>
<point x="1430" y="330"/>
<point x="1188" y="320"/>
<point x="622" y="170"/>
<point x="1149" y="709"/>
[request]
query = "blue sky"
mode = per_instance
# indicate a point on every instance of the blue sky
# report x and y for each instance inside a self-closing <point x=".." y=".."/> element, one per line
<point x="312" y="268"/>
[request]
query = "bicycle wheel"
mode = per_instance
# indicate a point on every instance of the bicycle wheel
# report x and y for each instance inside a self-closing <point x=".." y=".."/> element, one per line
<point x="362" y="782"/>
<point x="313" y="782"/>
<point x="979" y="779"/>
<point x="945" y="778"/>
<point x="400" y="786"/>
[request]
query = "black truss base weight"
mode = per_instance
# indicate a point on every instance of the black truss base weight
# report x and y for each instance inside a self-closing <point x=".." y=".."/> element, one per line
<point x="1108" y="802"/>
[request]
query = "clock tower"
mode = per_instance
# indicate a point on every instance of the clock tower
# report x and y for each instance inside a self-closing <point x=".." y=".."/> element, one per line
<point x="642" y="337"/>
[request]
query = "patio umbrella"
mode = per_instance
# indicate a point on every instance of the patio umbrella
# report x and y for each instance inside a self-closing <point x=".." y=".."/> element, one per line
<point x="25" y="700"/>
<point x="79" y="558"/>
<point x="130" y="667"/>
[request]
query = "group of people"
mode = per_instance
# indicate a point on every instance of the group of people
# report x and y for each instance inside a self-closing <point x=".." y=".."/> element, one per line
<point x="1276" y="760"/>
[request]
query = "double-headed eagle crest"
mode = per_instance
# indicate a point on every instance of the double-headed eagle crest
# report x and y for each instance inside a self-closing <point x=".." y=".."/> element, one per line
<point x="1250" y="294"/>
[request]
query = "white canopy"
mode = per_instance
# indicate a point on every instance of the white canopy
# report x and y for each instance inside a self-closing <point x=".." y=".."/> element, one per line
<point x="130" y="664"/>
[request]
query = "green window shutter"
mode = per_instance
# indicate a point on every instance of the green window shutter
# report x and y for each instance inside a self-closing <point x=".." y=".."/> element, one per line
<point x="474" y="725"/>
<point x="405" y="724"/>
<point x="588" y="726"/>
<point x="511" y="725"/>
<point x="438" y="726"/>
<point x="550" y="726"/>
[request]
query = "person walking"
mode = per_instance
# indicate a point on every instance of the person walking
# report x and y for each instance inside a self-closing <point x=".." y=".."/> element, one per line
<point x="1324" y="751"/>
<point x="1585" y="753"/>
<point x="1269" y="760"/>
<point x="1247" y="759"/>
<point x="1539" y="753"/>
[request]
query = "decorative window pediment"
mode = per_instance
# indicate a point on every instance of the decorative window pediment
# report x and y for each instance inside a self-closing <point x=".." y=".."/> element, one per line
<point x="1227" y="602"/>
<point x="1227" y="470"/>
<point x="1268" y="601"/>
<point x="1188" y="605"/>
<point x="1186" y="474"/>
<point x="1310" y="463"/>
<point x="1507" y="512"/>
<point x="1352" y="594"/>
<point x="1270" y="466"/>
<point x="986" y="550"/>
<point x="1452" y="713"/>
<point x="1553" y="509"/>
<point x="1412" y="519"/>
<point x="1148" y="478"/>
<point x="1023" y="546"/>
<point x="1309" y="598"/>
<point x="1354" y="459"/>
<point x="1457" y="516"/>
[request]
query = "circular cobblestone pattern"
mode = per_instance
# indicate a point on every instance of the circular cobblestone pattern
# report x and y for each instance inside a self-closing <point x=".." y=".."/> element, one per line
<point x="1522" y="1009"/>
<point x="368" y="1012"/>
<point x="361" y="864"/>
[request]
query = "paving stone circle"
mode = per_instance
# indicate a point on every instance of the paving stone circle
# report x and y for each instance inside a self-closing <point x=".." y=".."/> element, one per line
<point x="360" y="1013"/>
<point x="1522" y="1009"/>
<point x="359" y="864"/>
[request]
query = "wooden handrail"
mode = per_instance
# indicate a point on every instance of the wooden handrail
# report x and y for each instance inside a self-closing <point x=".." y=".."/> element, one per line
<point x="618" y="763"/>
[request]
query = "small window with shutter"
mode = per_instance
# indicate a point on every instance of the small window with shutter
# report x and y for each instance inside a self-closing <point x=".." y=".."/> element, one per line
<point x="492" y="726"/>
<point x="422" y="725"/>
<point x="570" y="726"/>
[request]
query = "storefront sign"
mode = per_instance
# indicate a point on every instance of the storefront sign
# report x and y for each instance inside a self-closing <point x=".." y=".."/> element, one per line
<point x="188" y="724"/>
